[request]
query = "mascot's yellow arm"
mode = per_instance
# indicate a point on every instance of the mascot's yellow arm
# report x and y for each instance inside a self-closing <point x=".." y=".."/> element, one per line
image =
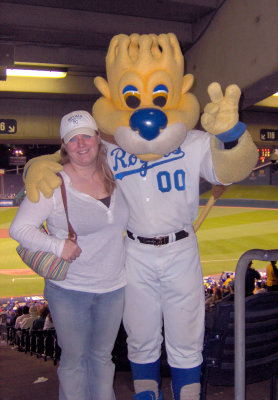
<point x="42" y="176"/>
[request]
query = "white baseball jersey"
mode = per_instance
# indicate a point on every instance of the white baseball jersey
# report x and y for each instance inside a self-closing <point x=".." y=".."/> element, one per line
<point x="163" y="195"/>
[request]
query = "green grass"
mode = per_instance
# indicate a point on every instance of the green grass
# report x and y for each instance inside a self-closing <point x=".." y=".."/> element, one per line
<point x="9" y="258"/>
<point x="227" y="233"/>
<point x="256" y="192"/>
<point x="12" y="285"/>
<point x="6" y="216"/>
<point x="224" y="236"/>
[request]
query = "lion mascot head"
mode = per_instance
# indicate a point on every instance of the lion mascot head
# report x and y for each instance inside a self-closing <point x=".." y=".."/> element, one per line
<point x="146" y="107"/>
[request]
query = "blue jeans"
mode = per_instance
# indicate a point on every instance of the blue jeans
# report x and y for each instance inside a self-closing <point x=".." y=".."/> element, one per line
<point x="87" y="325"/>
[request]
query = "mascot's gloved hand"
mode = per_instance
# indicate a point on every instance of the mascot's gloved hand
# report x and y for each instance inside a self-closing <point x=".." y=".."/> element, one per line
<point x="230" y="141"/>
<point x="40" y="175"/>
<point x="220" y="117"/>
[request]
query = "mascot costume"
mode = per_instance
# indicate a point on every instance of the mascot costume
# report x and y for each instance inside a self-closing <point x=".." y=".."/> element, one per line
<point x="146" y="116"/>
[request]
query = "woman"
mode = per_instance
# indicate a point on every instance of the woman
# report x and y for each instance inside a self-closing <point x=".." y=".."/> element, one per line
<point x="87" y="306"/>
<point x="216" y="297"/>
<point x="272" y="276"/>
<point x="43" y="312"/>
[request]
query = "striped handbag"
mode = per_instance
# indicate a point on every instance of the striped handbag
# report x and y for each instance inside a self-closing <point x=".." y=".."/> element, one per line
<point x="44" y="263"/>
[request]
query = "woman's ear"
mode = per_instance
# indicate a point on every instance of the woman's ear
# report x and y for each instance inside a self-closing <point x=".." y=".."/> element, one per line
<point x="63" y="149"/>
<point x="98" y="136"/>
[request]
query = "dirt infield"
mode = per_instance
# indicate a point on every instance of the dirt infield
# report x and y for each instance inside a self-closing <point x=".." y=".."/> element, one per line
<point x="26" y="271"/>
<point x="4" y="234"/>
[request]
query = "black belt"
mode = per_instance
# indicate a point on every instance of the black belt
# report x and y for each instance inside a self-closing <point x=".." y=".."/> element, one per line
<point x="157" y="241"/>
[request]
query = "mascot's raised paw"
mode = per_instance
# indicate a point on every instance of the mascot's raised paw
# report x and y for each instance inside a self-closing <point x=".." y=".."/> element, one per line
<point x="221" y="114"/>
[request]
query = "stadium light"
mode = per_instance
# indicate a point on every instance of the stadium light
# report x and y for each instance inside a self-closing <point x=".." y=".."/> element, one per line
<point x="36" y="73"/>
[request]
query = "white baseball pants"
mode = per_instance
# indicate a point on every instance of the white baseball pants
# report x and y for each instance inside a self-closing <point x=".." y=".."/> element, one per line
<point x="165" y="283"/>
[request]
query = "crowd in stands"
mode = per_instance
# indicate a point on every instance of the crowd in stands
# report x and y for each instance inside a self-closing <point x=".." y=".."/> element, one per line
<point x="255" y="283"/>
<point x="12" y="184"/>
<point x="32" y="316"/>
<point x="20" y="318"/>
<point x="8" y="195"/>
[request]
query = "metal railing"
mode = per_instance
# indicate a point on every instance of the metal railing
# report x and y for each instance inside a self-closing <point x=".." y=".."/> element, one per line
<point x="250" y="255"/>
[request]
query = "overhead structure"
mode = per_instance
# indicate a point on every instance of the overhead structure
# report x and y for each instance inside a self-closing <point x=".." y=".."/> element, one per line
<point x="229" y="41"/>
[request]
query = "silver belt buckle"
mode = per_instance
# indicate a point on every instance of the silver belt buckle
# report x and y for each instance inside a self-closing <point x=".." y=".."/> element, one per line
<point x="161" y="241"/>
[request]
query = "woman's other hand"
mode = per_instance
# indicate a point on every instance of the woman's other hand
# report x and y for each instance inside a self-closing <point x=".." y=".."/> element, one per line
<point x="71" y="251"/>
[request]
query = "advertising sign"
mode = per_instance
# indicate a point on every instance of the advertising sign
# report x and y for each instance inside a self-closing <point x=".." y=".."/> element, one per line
<point x="17" y="160"/>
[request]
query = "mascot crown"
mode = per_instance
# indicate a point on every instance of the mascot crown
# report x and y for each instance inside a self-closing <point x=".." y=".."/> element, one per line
<point x="144" y="53"/>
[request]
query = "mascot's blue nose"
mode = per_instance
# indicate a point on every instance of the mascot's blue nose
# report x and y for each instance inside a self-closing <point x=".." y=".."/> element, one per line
<point x="148" y="122"/>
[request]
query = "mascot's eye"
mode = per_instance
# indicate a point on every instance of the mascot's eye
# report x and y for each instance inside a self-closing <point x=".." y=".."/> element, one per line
<point x="160" y="95"/>
<point x="131" y="96"/>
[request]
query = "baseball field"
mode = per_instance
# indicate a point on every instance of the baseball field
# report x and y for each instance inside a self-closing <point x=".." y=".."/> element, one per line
<point x="224" y="236"/>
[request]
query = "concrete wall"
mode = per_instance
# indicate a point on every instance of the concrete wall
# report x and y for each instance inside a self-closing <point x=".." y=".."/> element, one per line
<point x="240" y="46"/>
<point x="37" y="120"/>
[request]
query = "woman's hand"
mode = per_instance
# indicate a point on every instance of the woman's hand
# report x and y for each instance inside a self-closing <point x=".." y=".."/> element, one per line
<point x="71" y="251"/>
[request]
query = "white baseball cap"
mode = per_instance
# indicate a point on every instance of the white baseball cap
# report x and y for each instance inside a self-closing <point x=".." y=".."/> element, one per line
<point x="77" y="123"/>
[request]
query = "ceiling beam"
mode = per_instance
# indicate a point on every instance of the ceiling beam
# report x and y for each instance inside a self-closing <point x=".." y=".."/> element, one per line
<point x="55" y="26"/>
<point x="91" y="60"/>
<point x="261" y="89"/>
<point x="175" y="10"/>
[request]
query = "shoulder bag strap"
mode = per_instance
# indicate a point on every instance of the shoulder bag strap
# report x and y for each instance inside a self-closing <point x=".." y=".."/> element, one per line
<point x="71" y="235"/>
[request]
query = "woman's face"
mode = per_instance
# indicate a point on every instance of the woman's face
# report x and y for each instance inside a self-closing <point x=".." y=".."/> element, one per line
<point x="83" y="149"/>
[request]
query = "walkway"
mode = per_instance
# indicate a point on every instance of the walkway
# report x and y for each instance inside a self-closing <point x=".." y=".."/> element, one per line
<point x="19" y="371"/>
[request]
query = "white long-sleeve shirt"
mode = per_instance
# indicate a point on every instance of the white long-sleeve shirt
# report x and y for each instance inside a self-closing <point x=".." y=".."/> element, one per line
<point x="100" y="232"/>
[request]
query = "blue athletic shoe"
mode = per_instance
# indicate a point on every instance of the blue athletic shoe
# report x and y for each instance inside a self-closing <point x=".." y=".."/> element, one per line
<point x="148" y="395"/>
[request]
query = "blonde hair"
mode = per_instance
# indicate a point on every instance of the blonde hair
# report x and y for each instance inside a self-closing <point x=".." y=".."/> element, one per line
<point x="102" y="166"/>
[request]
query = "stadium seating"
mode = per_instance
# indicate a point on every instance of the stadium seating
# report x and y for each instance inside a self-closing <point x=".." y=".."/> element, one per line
<point x="41" y="343"/>
<point x="261" y="343"/>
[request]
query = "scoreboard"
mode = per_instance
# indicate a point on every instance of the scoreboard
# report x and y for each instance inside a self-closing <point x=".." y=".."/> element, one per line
<point x="264" y="153"/>
<point x="268" y="144"/>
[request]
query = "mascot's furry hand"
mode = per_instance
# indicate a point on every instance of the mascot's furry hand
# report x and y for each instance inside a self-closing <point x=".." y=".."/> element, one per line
<point x="42" y="176"/>
<point x="221" y="114"/>
<point x="234" y="154"/>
